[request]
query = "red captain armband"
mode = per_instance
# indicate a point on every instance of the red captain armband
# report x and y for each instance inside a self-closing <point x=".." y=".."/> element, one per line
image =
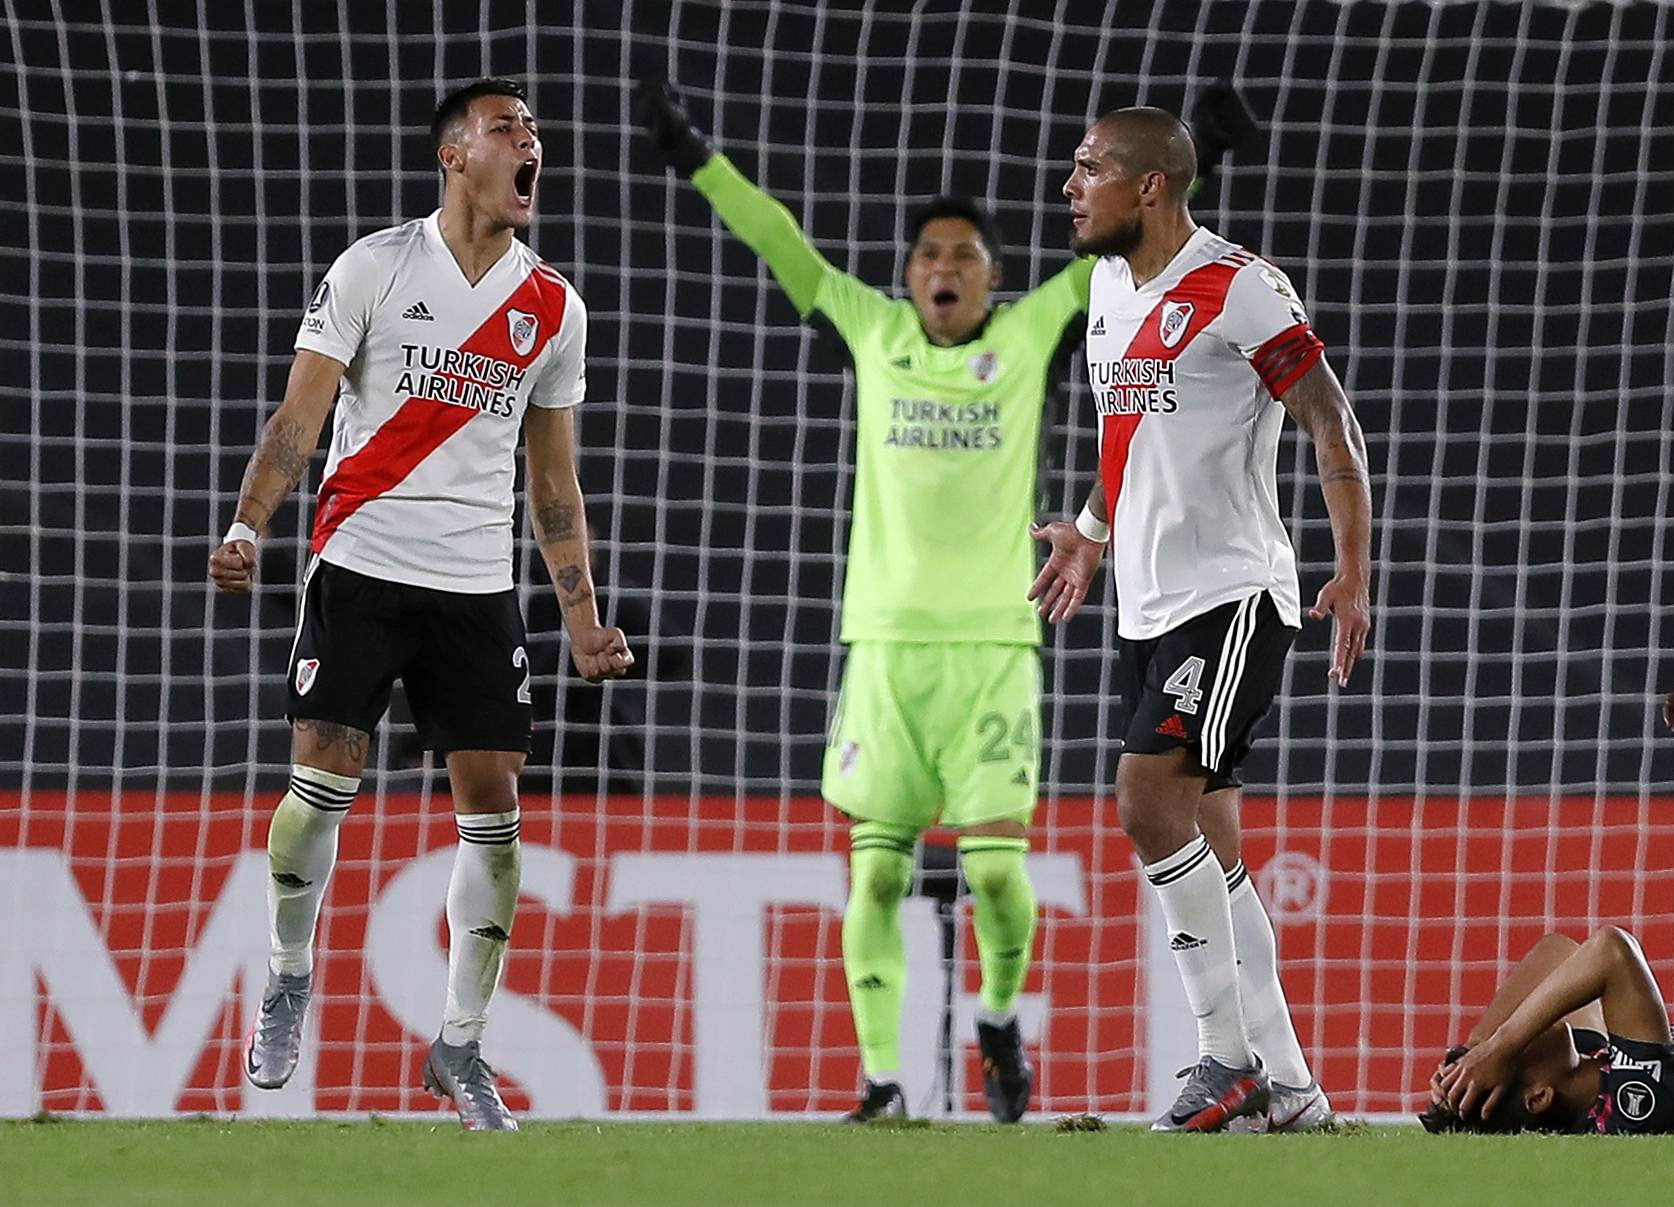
<point x="1282" y="360"/>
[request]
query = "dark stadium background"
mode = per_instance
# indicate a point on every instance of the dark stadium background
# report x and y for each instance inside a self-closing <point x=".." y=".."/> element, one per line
<point x="156" y="373"/>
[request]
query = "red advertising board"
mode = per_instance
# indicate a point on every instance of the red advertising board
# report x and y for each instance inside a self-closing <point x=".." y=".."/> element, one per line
<point x="667" y="950"/>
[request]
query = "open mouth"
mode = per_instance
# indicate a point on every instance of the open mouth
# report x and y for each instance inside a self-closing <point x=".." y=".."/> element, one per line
<point x="524" y="181"/>
<point x="944" y="297"/>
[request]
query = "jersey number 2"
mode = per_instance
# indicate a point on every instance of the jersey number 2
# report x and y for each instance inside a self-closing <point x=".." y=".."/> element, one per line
<point x="1182" y="685"/>
<point x="520" y="657"/>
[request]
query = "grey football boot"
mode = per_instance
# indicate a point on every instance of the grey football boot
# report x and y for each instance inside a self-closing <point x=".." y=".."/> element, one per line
<point x="272" y="1047"/>
<point x="461" y="1074"/>
<point x="1214" y="1095"/>
<point x="1292" y="1109"/>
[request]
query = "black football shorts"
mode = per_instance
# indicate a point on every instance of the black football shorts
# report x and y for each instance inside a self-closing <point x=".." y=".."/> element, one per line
<point x="461" y="657"/>
<point x="1206" y="685"/>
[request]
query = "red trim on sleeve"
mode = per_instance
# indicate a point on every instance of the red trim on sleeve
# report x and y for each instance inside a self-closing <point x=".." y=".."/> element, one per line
<point x="1282" y="360"/>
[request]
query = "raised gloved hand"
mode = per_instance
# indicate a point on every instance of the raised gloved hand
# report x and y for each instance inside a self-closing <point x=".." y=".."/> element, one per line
<point x="658" y="107"/>
<point x="1220" y="123"/>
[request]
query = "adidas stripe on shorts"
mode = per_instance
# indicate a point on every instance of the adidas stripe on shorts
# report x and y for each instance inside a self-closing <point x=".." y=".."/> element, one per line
<point x="1206" y="685"/>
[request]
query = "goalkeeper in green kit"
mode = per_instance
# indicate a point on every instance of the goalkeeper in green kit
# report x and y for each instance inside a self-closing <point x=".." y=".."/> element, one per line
<point x="938" y="720"/>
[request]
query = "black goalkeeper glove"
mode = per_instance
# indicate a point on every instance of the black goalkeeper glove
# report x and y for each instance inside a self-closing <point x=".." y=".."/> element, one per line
<point x="1220" y="123"/>
<point x="660" y="110"/>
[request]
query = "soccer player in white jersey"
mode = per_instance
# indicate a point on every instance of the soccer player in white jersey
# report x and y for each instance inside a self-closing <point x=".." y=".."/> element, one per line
<point x="1195" y="350"/>
<point x="440" y="341"/>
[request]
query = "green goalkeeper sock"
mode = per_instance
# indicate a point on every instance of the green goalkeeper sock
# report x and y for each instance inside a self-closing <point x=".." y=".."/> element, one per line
<point x="1004" y="912"/>
<point x="874" y="958"/>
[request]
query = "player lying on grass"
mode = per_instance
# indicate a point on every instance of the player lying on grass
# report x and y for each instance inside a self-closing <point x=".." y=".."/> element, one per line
<point x="440" y="342"/>
<point x="1576" y="1040"/>
<point x="1196" y="349"/>
<point x="939" y="715"/>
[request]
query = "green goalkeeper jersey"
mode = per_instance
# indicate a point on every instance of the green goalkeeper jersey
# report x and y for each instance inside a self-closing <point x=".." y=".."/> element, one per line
<point x="948" y="438"/>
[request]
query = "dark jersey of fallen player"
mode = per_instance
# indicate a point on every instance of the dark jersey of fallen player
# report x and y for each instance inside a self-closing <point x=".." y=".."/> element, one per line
<point x="1636" y="1095"/>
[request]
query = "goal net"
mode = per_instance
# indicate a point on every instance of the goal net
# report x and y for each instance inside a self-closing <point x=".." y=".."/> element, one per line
<point x="1472" y="198"/>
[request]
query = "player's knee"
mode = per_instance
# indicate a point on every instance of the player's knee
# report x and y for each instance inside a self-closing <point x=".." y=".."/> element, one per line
<point x="880" y="863"/>
<point x="1155" y="805"/>
<point x="1617" y="943"/>
<point x="994" y="873"/>
<point x="484" y="781"/>
<point x="1137" y="815"/>
<point x="880" y="882"/>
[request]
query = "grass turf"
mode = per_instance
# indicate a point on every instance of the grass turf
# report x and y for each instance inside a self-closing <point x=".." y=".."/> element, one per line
<point x="190" y="1162"/>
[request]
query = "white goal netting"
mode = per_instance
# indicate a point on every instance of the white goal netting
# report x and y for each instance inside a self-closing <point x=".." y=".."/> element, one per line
<point x="1472" y="197"/>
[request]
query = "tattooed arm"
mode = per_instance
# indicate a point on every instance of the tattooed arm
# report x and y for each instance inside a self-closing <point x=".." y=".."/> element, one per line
<point x="558" y="515"/>
<point x="277" y="465"/>
<point x="1321" y="409"/>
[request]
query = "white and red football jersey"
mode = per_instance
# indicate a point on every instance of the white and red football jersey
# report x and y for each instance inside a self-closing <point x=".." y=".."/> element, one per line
<point x="418" y="484"/>
<point x="1186" y="372"/>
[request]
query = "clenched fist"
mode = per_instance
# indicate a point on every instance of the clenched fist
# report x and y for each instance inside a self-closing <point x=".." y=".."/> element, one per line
<point x="232" y="567"/>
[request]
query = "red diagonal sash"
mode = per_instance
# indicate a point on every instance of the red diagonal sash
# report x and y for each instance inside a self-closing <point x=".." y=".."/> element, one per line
<point x="422" y="425"/>
<point x="1205" y="288"/>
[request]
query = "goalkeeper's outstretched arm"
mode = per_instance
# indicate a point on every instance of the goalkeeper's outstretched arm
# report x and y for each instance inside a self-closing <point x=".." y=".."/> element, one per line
<point x="766" y="227"/>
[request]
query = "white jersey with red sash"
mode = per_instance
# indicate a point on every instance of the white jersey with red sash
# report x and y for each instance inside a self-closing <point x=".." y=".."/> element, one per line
<point x="1186" y="372"/>
<point x="418" y="484"/>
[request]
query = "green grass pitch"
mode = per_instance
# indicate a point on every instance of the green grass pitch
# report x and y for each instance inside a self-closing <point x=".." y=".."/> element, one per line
<point x="189" y="1162"/>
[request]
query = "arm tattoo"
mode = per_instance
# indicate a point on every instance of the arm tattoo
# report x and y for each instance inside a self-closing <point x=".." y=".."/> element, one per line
<point x="278" y="465"/>
<point x="1317" y="404"/>
<point x="281" y="450"/>
<point x="555" y="520"/>
<point x="329" y="735"/>
<point x="572" y="589"/>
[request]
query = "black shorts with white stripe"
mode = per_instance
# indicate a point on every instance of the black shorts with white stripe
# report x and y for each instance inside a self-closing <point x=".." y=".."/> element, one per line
<point x="1206" y="685"/>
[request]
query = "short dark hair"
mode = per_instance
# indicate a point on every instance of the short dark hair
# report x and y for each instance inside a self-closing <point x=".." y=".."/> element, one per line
<point x="958" y="207"/>
<point x="454" y="105"/>
<point x="1510" y="1114"/>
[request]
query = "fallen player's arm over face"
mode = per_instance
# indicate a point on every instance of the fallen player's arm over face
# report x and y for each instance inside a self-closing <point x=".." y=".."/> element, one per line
<point x="281" y="458"/>
<point x="1610" y="969"/>
<point x="558" y="513"/>
<point x="1541" y="962"/>
<point x="1321" y="409"/>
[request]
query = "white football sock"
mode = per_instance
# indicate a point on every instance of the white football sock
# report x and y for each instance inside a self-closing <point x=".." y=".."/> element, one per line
<point x="1192" y="890"/>
<point x="482" y="898"/>
<point x="1266" y="1013"/>
<point x="301" y="851"/>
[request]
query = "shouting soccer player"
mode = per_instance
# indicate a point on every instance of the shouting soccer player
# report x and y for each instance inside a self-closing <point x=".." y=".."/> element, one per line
<point x="939" y="714"/>
<point x="1195" y="349"/>
<point x="1576" y="1040"/>
<point x="440" y="341"/>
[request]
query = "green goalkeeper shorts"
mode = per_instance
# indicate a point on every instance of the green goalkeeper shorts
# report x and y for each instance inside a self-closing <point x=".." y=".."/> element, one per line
<point x="936" y="732"/>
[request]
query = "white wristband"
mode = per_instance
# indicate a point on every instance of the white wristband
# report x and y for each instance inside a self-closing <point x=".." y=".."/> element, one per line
<point x="1091" y="527"/>
<point x="239" y="532"/>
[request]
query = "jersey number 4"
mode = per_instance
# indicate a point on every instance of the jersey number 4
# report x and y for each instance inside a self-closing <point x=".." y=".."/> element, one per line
<point x="1183" y="685"/>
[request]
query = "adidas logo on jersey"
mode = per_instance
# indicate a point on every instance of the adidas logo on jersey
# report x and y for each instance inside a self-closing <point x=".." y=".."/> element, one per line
<point x="902" y="362"/>
<point x="418" y="312"/>
<point x="1173" y="727"/>
<point x="1098" y="326"/>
